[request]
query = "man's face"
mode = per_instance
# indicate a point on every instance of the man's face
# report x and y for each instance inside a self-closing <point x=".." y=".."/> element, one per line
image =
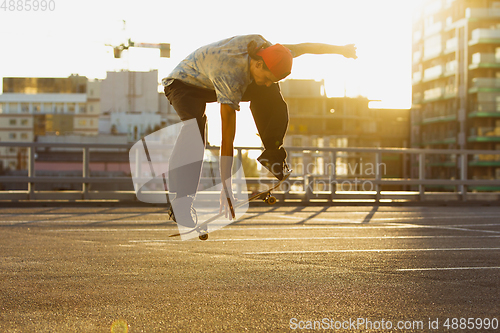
<point x="261" y="76"/>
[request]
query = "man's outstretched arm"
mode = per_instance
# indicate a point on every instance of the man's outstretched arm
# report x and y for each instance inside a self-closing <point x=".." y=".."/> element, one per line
<point x="348" y="51"/>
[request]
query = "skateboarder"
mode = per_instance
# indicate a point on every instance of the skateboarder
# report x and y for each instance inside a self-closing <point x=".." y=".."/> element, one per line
<point x="236" y="69"/>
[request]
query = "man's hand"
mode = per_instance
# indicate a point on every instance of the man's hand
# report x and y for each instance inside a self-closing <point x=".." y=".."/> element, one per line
<point x="349" y="51"/>
<point x="224" y="203"/>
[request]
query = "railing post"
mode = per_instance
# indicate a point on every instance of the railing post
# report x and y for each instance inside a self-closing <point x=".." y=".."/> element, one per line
<point x="378" y="176"/>
<point x="421" y="175"/>
<point x="463" y="176"/>
<point x="137" y="168"/>
<point x="31" y="171"/>
<point x="85" y="172"/>
<point x="333" y="176"/>
<point x="239" y="173"/>
<point x="308" y="183"/>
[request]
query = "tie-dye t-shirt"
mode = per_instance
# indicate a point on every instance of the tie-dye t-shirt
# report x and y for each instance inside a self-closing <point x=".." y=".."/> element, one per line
<point x="223" y="66"/>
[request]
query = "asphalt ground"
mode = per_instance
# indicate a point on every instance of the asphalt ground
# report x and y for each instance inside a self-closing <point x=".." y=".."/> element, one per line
<point x="98" y="269"/>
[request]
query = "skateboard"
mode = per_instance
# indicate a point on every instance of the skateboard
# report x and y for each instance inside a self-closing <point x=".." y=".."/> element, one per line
<point x="265" y="196"/>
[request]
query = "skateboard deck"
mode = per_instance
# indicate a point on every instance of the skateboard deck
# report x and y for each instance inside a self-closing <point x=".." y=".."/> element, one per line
<point x="264" y="195"/>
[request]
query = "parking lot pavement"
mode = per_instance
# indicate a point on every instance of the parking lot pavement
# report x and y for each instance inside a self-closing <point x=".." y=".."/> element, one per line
<point x="276" y="269"/>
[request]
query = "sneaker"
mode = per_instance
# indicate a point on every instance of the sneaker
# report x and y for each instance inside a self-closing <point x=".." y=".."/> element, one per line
<point x="275" y="163"/>
<point x="182" y="212"/>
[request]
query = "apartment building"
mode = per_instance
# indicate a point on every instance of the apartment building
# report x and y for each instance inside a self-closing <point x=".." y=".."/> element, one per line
<point x="319" y="121"/>
<point x="124" y="102"/>
<point x="33" y="107"/>
<point x="456" y="85"/>
<point x="131" y="104"/>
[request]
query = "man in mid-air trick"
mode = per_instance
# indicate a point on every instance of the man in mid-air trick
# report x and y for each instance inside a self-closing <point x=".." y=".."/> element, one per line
<point x="236" y="69"/>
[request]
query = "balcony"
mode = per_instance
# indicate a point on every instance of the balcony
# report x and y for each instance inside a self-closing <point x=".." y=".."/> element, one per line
<point x="433" y="94"/>
<point x="433" y="29"/>
<point x="485" y="60"/>
<point x="484" y="110"/>
<point x="451" y="45"/>
<point x="485" y="84"/>
<point x="417" y="36"/>
<point x="432" y="7"/>
<point x="485" y="160"/>
<point x="416" y="77"/>
<point x="439" y="93"/>
<point x="417" y="56"/>
<point x="442" y="160"/>
<point x="431" y="119"/>
<point x="417" y="98"/>
<point x="450" y="68"/>
<point x="439" y="137"/>
<point x="484" y="134"/>
<point x="433" y="73"/>
<point x="485" y="36"/>
<point x="476" y="14"/>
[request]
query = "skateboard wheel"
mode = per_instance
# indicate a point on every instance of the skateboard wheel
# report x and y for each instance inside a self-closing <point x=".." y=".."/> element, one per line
<point x="271" y="200"/>
<point x="203" y="236"/>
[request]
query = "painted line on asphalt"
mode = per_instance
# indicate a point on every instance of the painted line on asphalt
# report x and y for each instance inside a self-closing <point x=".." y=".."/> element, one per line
<point x="377" y="250"/>
<point x="447" y="227"/>
<point x="314" y="238"/>
<point x="442" y="269"/>
<point x="254" y="217"/>
<point x="244" y="227"/>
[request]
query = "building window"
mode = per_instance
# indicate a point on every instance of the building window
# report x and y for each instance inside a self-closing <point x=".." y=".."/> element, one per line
<point x="12" y="135"/>
<point x="297" y="142"/>
<point x="24" y="122"/>
<point x="297" y="165"/>
<point x="71" y="108"/>
<point x="82" y="122"/>
<point x="59" y="108"/>
<point x="338" y="142"/>
<point x="318" y="142"/>
<point x="319" y="166"/>
<point x="25" y="107"/>
<point x="13" y="107"/>
<point x="12" y="122"/>
<point x="24" y="136"/>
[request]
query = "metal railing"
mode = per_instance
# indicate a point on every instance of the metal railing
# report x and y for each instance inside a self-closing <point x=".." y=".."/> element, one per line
<point x="301" y="186"/>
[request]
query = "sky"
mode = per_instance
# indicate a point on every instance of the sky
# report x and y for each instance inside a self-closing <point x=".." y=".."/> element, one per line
<point x="72" y="38"/>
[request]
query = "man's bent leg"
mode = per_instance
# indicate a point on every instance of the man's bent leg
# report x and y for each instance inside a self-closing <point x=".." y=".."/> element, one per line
<point x="185" y="163"/>
<point x="270" y="113"/>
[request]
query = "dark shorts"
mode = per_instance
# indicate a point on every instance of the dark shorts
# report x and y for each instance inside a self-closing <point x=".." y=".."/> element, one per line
<point x="268" y="107"/>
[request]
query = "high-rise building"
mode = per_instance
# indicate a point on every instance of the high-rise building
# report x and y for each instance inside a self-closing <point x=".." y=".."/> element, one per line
<point x="456" y="85"/>
<point x="342" y="122"/>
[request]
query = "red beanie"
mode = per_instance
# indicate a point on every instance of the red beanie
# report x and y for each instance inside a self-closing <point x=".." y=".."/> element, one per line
<point x="278" y="59"/>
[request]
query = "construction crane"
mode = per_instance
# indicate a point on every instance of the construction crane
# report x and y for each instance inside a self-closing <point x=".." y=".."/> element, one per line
<point x="117" y="51"/>
<point x="164" y="48"/>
